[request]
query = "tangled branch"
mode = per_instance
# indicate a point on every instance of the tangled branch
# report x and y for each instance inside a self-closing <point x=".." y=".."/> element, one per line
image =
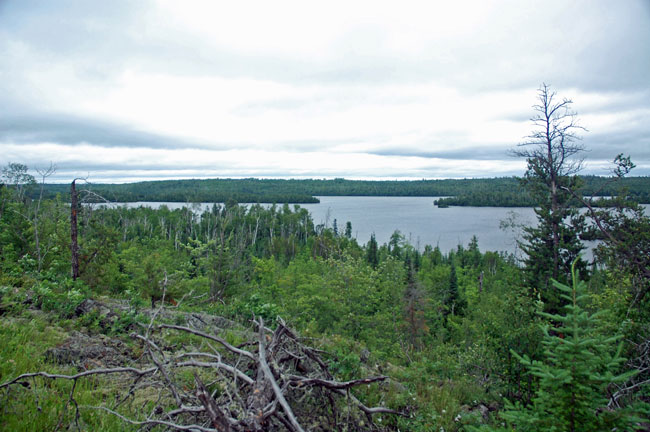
<point x="279" y="384"/>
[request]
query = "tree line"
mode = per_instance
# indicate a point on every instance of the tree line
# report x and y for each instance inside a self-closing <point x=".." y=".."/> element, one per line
<point x="494" y="192"/>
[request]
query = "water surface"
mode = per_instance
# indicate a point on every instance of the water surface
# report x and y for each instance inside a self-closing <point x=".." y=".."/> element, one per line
<point x="417" y="219"/>
<point x="420" y="221"/>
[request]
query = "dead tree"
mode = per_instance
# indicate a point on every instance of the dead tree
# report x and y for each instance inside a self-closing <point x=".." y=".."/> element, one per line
<point x="74" y="244"/>
<point x="75" y="208"/>
<point x="552" y="152"/>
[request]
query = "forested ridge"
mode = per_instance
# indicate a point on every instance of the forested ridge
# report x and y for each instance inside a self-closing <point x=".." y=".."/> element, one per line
<point x="501" y="192"/>
<point x="452" y="333"/>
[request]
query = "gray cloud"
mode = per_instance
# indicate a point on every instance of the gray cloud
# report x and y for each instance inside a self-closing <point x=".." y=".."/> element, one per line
<point x="588" y="46"/>
<point x="635" y="143"/>
<point x="72" y="130"/>
<point x="464" y="153"/>
<point x="603" y="50"/>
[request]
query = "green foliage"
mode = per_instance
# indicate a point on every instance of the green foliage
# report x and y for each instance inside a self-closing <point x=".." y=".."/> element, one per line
<point x="547" y="259"/>
<point x="256" y="306"/>
<point x="372" y="256"/>
<point x="61" y="298"/>
<point x="625" y="251"/>
<point x="579" y="364"/>
<point x="502" y="192"/>
<point x="453" y="300"/>
<point x="444" y="325"/>
<point x="16" y="177"/>
<point x="550" y="151"/>
<point x="41" y="405"/>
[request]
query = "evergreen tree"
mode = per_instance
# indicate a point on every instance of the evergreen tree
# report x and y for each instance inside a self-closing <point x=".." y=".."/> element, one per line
<point x="416" y="261"/>
<point x="372" y="255"/>
<point x="348" y="229"/>
<point x="473" y="254"/>
<point x="414" y="306"/>
<point x="580" y="363"/>
<point x="454" y="302"/>
<point x="550" y="152"/>
<point x="395" y="244"/>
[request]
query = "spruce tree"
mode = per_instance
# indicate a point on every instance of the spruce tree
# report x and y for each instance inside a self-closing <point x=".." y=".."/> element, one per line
<point x="578" y="366"/>
<point x="348" y="229"/>
<point x="372" y="255"/>
<point x="553" y="153"/>
<point x="454" y="302"/>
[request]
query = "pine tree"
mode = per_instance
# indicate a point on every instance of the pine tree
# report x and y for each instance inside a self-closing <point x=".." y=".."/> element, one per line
<point x="579" y="364"/>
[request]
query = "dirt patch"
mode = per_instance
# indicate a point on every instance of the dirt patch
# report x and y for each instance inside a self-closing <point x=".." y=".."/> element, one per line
<point x="90" y="352"/>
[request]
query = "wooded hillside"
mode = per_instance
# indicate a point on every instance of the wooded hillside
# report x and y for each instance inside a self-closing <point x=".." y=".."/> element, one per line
<point x="500" y="192"/>
<point x="244" y="318"/>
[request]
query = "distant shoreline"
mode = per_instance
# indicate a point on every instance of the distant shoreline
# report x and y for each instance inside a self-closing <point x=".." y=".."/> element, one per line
<point x="491" y="192"/>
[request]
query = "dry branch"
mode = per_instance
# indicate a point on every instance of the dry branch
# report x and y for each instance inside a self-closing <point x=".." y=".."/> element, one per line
<point x="264" y="366"/>
<point x="102" y="371"/>
<point x="303" y="381"/>
<point x="211" y="337"/>
<point x="218" y="418"/>
<point x="282" y="385"/>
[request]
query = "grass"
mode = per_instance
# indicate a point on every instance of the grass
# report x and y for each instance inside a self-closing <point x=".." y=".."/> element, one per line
<point x="41" y="403"/>
<point x="436" y="401"/>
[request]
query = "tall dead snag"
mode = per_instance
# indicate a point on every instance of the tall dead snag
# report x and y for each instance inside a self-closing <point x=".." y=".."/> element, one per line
<point x="553" y="155"/>
<point x="74" y="245"/>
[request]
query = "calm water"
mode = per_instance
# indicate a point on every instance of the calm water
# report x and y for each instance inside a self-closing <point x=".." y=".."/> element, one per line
<point x="420" y="221"/>
<point x="416" y="218"/>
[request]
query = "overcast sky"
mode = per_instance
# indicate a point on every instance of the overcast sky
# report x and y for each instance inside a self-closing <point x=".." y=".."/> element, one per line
<point x="130" y="90"/>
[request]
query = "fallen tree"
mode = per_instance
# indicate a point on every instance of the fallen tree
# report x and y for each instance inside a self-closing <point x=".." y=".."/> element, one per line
<point x="271" y="382"/>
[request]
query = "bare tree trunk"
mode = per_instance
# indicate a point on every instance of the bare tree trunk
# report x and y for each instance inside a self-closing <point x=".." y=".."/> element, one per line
<point x="257" y="225"/>
<point x="554" y="204"/>
<point x="74" y="245"/>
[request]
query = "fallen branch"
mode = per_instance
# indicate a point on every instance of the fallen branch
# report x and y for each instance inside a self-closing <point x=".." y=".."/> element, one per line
<point x="302" y="381"/>
<point x="211" y="337"/>
<point x="279" y="385"/>
<point x="264" y="366"/>
<point x="218" y="418"/>
<point x="80" y="374"/>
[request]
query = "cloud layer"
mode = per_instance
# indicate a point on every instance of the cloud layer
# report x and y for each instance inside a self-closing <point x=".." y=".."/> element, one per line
<point x="123" y="91"/>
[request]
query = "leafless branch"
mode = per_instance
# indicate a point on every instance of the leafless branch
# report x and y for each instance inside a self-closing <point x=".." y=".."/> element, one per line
<point x="79" y="375"/>
<point x="211" y="337"/>
<point x="153" y="422"/>
<point x="283" y="385"/>
<point x="302" y="381"/>
<point x="264" y="366"/>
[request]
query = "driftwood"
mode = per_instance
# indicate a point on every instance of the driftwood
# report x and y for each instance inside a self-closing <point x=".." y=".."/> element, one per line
<point x="279" y="384"/>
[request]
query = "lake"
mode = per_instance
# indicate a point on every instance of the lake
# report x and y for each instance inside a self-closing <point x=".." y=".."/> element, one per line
<point x="416" y="218"/>
<point x="420" y="221"/>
